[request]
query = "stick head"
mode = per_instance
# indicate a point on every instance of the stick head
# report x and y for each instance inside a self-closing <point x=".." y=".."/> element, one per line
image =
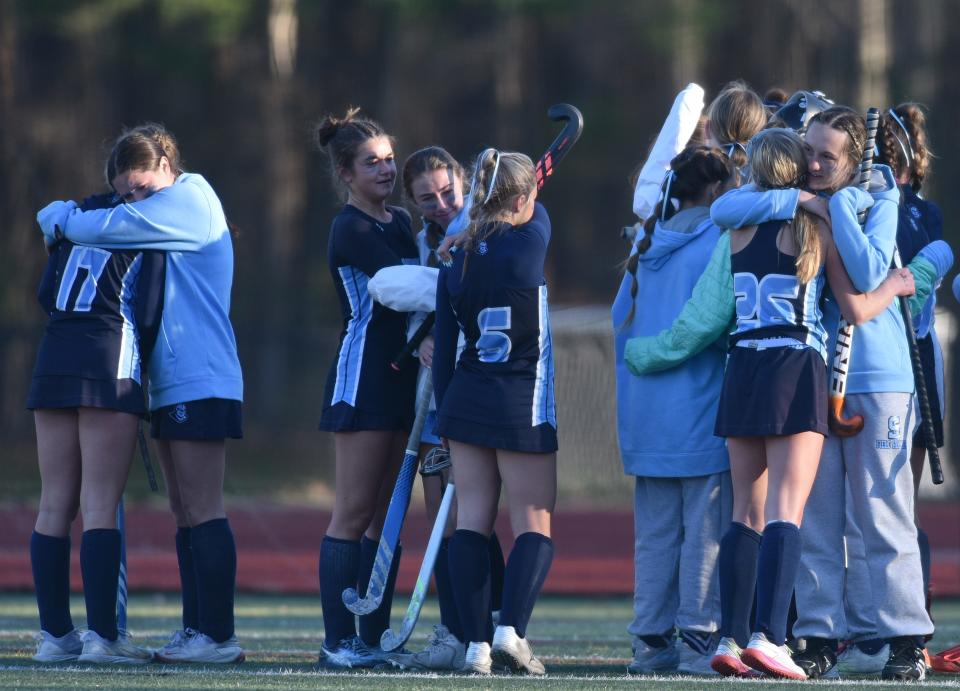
<point x="839" y="425"/>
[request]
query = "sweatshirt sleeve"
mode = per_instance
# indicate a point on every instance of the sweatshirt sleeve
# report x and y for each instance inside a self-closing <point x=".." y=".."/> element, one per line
<point x="928" y="268"/>
<point x="176" y="218"/>
<point x="867" y="254"/>
<point x="705" y="318"/>
<point x="445" y="335"/>
<point x="748" y="206"/>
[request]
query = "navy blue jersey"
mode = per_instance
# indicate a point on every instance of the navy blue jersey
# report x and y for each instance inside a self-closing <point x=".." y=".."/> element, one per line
<point x="104" y="310"/>
<point x="919" y="224"/>
<point x="771" y="302"/>
<point x="503" y="383"/>
<point x="372" y="335"/>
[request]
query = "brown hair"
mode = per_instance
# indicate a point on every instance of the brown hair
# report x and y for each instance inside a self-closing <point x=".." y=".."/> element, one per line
<point x="851" y="123"/>
<point x="423" y="161"/>
<point x="735" y="115"/>
<point x="141" y="148"/>
<point x="778" y="160"/>
<point x="341" y="137"/>
<point x="902" y="142"/>
<point x="691" y="172"/>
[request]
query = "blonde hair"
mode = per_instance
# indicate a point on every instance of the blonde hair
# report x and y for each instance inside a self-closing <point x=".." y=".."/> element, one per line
<point x="778" y="161"/>
<point x="498" y="178"/>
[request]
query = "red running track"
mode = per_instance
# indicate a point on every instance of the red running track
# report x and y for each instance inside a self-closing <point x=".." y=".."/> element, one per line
<point x="278" y="548"/>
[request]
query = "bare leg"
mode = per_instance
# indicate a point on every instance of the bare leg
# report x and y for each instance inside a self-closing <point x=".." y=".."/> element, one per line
<point x="58" y="453"/>
<point x="366" y="468"/>
<point x="530" y="480"/>
<point x="478" y="486"/>
<point x="792" y="461"/>
<point x="748" y="474"/>
<point x="107" y="440"/>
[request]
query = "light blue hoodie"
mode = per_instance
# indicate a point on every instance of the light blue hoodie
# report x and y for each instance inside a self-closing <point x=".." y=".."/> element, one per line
<point x="665" y="420"/>
<point x="880" y="362"/>
<point x="196" y="353"/>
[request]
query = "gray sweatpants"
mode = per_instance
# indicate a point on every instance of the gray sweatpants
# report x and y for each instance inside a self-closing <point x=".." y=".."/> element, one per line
<point x="875" y="465"/>
<point x="678" y="523"/>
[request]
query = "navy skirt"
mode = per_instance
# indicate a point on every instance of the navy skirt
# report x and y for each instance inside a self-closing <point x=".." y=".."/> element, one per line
<point x="773" y="392"/>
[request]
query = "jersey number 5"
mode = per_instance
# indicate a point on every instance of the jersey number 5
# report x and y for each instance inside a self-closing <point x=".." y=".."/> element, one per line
<point x="767" y="302"/>
<point x="494" y="345"/>
<point x="93" y="260"/>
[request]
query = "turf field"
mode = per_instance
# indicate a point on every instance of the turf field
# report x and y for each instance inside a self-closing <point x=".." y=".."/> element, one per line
<point x="582" y="641"/>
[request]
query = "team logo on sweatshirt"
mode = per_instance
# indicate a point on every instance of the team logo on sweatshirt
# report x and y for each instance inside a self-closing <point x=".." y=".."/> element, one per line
<point x="179" y="413"/>
<point x="894" y="438"/>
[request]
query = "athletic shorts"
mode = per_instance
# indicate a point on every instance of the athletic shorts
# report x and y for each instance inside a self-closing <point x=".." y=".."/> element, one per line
<point x="343" y="417"/>
<point x="773" y="392"/>
<point x="123" y="395"/>
<point x="208" y="419"/>
<point x="928" y="360"/>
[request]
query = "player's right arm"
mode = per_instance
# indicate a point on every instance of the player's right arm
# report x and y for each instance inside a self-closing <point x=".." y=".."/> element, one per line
<point x="747" y="206"/>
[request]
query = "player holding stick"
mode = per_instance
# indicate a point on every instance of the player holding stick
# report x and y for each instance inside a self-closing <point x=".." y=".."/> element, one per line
<point x="497" y="407"/>
<point x="367" y="404"/>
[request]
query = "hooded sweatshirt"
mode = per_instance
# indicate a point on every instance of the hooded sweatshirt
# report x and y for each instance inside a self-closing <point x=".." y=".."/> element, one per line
<point x="665" y="420"/>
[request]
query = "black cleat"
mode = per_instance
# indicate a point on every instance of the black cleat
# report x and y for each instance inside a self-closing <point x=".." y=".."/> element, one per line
<point x="906" y="662"/>
<point x="818" y="658"/>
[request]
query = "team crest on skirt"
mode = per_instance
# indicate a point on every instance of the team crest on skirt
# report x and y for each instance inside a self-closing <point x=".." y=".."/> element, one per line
<point x="179" y="413"/>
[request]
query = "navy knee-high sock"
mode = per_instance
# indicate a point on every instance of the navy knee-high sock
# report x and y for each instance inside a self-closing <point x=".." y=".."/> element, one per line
<point x="469" y="555"/>
<point x="50" y="559"/>
<point x="497" y="567"/>
<point x="737" y="568"/>
<point x="339" y="564"/>
<point x="188" y="580"/>
<point x="523" y="578"/>
<point x="449" y="616"/>
<point x="100" y="566"/>
<point x="215" y="567"/>
<point x="777" y="567"/>
<point x="373" y="625"/>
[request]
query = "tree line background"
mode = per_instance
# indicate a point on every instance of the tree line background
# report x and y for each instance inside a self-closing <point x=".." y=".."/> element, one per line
<point x="240" y="82"/>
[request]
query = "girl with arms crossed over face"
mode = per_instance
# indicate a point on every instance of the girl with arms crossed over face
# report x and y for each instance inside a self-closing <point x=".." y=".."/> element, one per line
<point x="682" y="497"/>
<point x="433" y="184"/>
<point x="367" y="405"/>
<point x="87" y="400"/>
<point x="196" y="387"/>
<point x="496" y="405"/>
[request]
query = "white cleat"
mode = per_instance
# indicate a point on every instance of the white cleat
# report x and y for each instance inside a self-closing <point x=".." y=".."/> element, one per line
<point x="201" y="648"/>
<point x="477" y="659"/>
<point x="774" y="660"/>
<point x="514" y="653"/>
<point x="443" y="653"/>
<point x="178" y="639"/>
<point x="66" y="648"/>
<point x="122" y="651"/>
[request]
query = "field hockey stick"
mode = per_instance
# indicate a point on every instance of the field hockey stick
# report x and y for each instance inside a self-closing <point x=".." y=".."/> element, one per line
<point x="122" y="576"/>
<point x="926" y="415"/>
<point x="572" y="128"/>
<point x="407" y="351"/>
<point x="839" y="425"/>
<point x="390" y="640"/>
<point x="396" y="512"/>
